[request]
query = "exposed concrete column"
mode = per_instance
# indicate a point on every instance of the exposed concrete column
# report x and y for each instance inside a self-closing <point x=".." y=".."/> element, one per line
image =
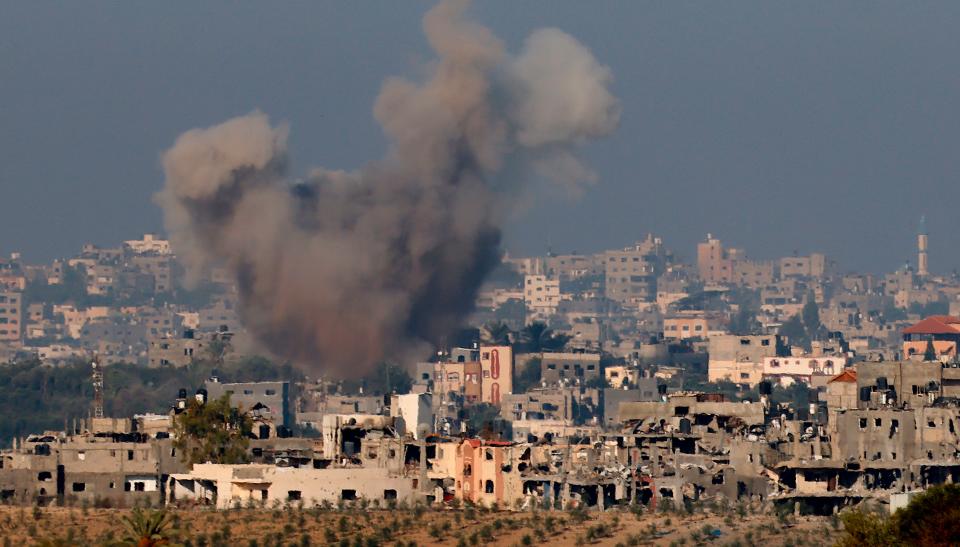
<point x="423" y="466"/>
<point x="600" y="498"/>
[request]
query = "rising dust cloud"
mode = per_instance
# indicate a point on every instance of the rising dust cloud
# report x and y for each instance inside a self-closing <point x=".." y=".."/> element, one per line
<point x="346" y="268"/>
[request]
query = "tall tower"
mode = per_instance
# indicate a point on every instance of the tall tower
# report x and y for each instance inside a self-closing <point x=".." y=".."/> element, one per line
<point x="922" y="248"/>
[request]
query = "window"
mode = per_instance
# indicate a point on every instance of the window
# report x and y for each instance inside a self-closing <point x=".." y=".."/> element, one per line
<point x="877" y="422"/>
<point x="389" y="494"/>
<point x="488" y="487"/>
<point x="488" y="454"/>
<point x="294" y="495"/>
<point x="270" y="392"/>
<point x="44" y="476"/>
<point x="765" y="342"/>
<point x="79" y="486"/>
<point x="346" y="495"/>
<point x="863" y="423"/>
<point x="139" y="486"/>
<point x="129" y="454"/>
<point x="248" y="392"/>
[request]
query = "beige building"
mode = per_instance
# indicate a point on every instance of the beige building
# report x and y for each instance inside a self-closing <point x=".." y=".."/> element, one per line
<point x="541" y="295"/>
<point x="619" y="375"/>
<point x="630" y="274"/>
<point x="224" y="486"/>
<point x="684" y="326"/>
<point x="11" y="316"/>
<point x="176" y="352"/>
<point x="715" y="263"/>
<point x="573" y="266"/>
<point x="739" y="359"/>
<point x="569" y="366"/>
<point x="496" y="368"/>
<point x="150" y="244"/>
<point x="753" y="273"/>
<point x="813" y="265"/>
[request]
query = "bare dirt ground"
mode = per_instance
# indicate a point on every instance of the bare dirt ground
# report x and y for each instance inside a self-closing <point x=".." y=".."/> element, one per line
<point x="290" y="526"/>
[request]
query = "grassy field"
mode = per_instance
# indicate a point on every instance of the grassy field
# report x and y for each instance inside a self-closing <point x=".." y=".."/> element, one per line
<point x="291" y="526"/>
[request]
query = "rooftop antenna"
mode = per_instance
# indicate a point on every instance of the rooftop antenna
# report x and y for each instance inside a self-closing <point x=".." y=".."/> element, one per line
<point x="97" y="379"/>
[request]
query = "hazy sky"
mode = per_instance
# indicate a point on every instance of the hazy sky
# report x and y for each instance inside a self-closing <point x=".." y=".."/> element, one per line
<point x="778" y="127"/>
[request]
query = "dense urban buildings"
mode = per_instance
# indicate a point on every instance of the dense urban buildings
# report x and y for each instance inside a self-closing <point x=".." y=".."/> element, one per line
<point x="779" y="380"/>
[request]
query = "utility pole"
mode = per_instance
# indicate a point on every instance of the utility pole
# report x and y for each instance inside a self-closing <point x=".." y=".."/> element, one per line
<point x="97" y="380"/>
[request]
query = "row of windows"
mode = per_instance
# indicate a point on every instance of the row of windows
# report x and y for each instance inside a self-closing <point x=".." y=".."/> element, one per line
<point x="697" y="328"/>
<point x="553" y="366"/>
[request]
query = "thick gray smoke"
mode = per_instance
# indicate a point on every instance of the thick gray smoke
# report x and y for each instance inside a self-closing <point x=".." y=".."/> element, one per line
<point x="349" y="268"/>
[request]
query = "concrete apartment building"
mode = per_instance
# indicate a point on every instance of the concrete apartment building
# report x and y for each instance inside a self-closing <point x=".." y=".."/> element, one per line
<point x="177" y="351"/>
<point x="11" y="317"/>
<point x="753" y="274"/>
<point x="681" y="326"/>
<point x="268" y="400"/>
<point x="631" y="274"/>
<point x="714" y="262"/>
<point x="481" y="375"/>
<point x="539" y="404"/>
<point x="107" y="461"/>
<point x="569" y="366"/>
<point x="541" y="295"/>
<point x="574" y="266"/>
<point x="159" y="266"/>
<point x="789" y="369"/>
<point x="739" y="359"/>
<point x="811" y="266"/>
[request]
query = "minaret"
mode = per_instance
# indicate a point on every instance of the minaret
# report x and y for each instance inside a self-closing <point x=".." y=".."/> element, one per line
<point x="922" y="248"/>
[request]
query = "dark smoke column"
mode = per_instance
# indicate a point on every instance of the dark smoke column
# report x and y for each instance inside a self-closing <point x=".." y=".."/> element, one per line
<point x="348" y="268"/>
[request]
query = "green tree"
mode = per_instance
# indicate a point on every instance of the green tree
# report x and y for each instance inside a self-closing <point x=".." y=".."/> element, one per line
<point x="930" y="353"/>
<point x="795" y="332"/>
<point x="744" y="322"/>
<point x="213" y="432"/>
<point x="495" y="333"/>
<point x="537" y="337"/>
<point x="932" y="518"/>
<point x="146" y="529"/>
<point x="811" y="316"/>
<point x="480" y="417"/>
<point x="600" y="382"/>
<point x="527" y="376"/>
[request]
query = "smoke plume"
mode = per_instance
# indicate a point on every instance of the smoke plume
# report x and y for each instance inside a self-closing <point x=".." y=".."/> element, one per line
<point x="348" y="268"/>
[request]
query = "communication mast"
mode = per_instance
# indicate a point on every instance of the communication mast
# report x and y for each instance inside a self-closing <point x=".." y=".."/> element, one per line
<point x="97" y="380"/>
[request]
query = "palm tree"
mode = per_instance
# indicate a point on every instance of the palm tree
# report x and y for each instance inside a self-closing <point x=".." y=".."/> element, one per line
<point x="537" y="337"/>
<point x="146" y="529"/>
<point x="495" y="333"/>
